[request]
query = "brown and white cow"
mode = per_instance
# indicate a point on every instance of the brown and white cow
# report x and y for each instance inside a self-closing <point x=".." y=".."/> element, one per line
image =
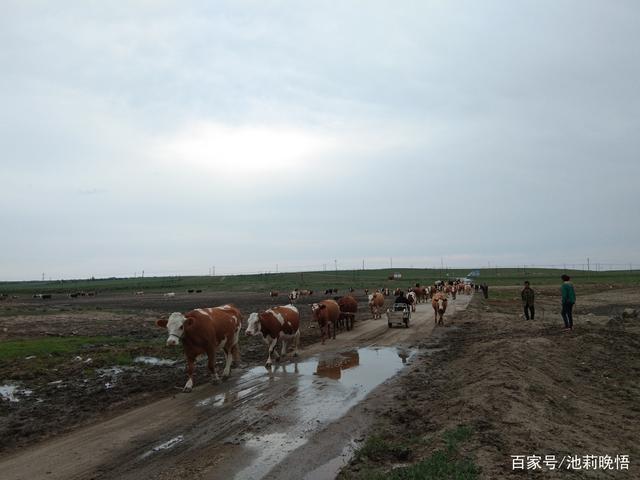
<point x="273" y="293"/>
<point x="421" y="294"/>
<point x="376" y="303"/>
<point x="439" y="304"/>
<point x="202" y="331"/>
<point x="348" y="309"/>
<point x="413" y="299"/>
<point x="326" y="313"/>
<point x="277" y="323"/>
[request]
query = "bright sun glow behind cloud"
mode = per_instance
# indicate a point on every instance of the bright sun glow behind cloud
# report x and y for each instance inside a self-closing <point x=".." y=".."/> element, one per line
<point x="224" y="149"/>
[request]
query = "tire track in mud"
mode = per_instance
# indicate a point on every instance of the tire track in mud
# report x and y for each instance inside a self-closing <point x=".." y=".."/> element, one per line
<point x="244" y="427"/>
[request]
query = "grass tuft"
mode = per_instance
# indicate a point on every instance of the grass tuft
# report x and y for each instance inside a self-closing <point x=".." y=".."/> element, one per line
<point x="441" y="464"/>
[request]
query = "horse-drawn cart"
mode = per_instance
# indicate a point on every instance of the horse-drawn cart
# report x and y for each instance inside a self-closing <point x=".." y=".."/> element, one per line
<point x="399" y="313"/>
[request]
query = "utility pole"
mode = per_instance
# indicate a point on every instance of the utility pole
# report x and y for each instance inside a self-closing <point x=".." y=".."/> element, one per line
<point x="276" y="268"/>
<point x="335" y="261"/>
<point x="43" y="276"/>
<point x="363" y="264"/>
<point x="391" y="261"/>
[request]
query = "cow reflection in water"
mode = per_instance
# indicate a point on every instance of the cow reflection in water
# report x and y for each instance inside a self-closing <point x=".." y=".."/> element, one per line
<point x="285" y="368"/>
<point x="332" y="367"/>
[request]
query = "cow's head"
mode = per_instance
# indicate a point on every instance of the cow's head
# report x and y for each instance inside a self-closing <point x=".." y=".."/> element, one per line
<point x="253" y="327"/>
<point x="317" y="308"/>
<point x="441" y="304"/>
<point x="175" y="327"/>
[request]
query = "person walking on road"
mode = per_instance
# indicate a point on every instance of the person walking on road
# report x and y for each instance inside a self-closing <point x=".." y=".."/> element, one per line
<point x="528" y="298"/>
<point x="568" y="301"/>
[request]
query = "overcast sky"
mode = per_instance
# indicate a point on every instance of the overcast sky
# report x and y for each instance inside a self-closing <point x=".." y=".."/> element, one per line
<point x="171" y="137"/>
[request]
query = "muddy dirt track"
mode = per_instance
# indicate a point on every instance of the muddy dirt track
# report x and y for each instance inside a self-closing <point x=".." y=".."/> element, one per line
<point x="257" y="425"/>
<point x="511" y="387"/>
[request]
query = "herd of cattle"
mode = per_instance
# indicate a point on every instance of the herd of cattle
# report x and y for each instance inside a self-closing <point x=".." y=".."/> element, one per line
<point x="205" y="330"/>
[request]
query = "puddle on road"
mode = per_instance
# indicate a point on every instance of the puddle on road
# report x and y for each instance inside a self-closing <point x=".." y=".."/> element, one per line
<point x="153" y="361"/>
<point x="169" y="444"/>
<point x="9" y="392"/>
<point x="318" y="391"/>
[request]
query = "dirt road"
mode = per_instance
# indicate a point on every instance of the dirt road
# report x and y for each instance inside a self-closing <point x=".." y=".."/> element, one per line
<point x="258" y="424"/>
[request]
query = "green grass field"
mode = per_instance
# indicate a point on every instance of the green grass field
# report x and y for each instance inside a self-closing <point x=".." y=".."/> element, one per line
<point x="320" y="280"/>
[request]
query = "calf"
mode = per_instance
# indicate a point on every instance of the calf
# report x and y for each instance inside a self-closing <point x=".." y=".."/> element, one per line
<point x="326" y="313"/>
<point x="348" y="309"/>
<point x="276" y="323"/>
<point x="273" y="293"/>
<point x="202" y="331"/>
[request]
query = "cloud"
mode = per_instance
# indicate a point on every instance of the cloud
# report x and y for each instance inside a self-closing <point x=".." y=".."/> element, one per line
<point x="180" y="135"/>
<point x="247" y="150"/>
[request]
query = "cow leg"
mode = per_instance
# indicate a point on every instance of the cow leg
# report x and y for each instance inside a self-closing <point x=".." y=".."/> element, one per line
<point x="211" y="363"/>
<point x="334" y="330"/>
<point x="190" y="368"/>
<point x="236" y="347"/>
<point x="283" y="350"/>
<point x="228" y="355"/>
<point x="271" y="345"/>
<point x="296" y="343"/>
<point x="235" y="351"/>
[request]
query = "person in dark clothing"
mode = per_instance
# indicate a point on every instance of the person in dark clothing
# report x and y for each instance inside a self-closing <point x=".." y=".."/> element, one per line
<point x="528" y="297"/>
<point x="402" y="299"/>
<point x="568" y="301"/>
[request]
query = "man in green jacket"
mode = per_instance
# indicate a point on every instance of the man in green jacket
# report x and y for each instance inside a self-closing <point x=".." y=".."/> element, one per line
<point x="568" y="301"/>
<point x="528" y="297"/>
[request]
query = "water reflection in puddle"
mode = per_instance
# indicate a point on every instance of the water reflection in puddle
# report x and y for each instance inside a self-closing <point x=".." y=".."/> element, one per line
<point x="313" y="394"/>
